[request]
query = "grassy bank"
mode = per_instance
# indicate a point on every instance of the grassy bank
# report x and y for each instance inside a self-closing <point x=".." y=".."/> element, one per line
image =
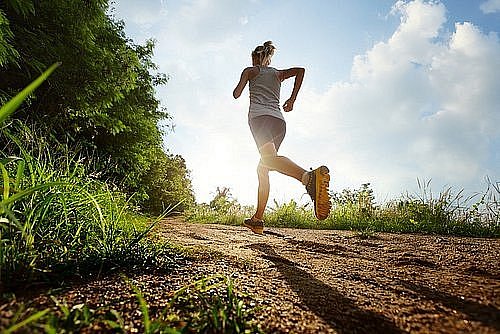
<point x="58" y="219"/>
<point x="448" y="213"/>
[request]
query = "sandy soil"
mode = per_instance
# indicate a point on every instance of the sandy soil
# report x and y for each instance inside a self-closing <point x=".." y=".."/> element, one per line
<point x="334" y="281"/>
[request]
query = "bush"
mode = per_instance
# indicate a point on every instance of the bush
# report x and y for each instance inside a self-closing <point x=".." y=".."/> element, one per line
<point x="448" y="213"/>
<point x="167" y="183"/>
<point x="291" y="215"/>
<point x="223" y="209"/>
<point x="55" y="216"/>
<point x="101" y="99"/>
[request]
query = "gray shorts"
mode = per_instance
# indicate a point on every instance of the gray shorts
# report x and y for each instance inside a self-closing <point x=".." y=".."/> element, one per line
<point x="267" y="129"/>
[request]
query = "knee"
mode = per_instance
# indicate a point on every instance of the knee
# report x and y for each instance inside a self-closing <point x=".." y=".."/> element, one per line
<point x="267" y="160"/>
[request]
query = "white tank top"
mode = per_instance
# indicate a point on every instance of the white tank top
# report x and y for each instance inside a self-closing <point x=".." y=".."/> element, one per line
<point x="265" y="94"/>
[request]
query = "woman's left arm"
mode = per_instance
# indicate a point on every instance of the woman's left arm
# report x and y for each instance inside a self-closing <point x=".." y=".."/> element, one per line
<point x="298" y="73"/>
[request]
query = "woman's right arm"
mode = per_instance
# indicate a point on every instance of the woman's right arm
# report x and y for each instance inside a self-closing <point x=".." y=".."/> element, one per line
<point x="242" y="83"/>
<point x="248" y="74"/>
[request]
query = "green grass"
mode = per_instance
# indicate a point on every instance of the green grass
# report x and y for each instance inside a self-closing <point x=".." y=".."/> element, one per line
<point x="223" y="209"/>
<point x="12" y="105"/>
<point x="57" y="219"/>
<point x="448" y="213"/>
<point x="291" y="215"/>
<point x="203" y="213"/>
<point x="208" y="305"/>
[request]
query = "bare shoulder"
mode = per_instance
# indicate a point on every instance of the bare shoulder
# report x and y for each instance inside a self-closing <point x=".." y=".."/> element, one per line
<point x="251" y="72"/>
<point x="247" y="74"/>
<point x="290" y="72"/>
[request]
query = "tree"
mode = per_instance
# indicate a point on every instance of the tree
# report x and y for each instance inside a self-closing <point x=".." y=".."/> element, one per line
<point x="101" y="100"/>
<point x="168" y="182"/>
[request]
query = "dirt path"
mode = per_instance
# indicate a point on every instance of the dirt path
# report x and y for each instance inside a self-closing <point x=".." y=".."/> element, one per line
<point x="306" y="281"/>
<point x="335" y="281"/>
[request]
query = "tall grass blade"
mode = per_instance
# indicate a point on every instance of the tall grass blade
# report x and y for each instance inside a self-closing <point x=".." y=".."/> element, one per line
<point x="142" y="304"/>
<point x="152" y="225"/>
<point x="19" y="175"/>
<point x="25" y="322"/>
<point x="6" y="160"/>
<point x="6" y="183"/>
<point x="16" y="101"/>
<point x="21" y="194"/>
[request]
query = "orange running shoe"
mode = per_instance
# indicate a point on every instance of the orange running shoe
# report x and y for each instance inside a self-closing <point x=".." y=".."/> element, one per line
<point x="317" y="188"/>
<point x="257" y="226"/>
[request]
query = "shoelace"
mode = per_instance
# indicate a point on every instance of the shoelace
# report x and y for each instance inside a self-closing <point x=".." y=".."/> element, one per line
<point x="323" y="198"/>
<point x="310" y="187"/>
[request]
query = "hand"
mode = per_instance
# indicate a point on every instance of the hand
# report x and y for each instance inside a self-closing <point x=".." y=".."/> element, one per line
<point x="288" y="106"/>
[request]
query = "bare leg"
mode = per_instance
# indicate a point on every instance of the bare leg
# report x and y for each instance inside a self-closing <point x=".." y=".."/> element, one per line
<point x="271" y="161"/>
<point x="263" y="191"/>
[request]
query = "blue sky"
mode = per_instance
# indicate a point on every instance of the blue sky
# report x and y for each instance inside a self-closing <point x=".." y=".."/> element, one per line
<point x="394" y="90"/>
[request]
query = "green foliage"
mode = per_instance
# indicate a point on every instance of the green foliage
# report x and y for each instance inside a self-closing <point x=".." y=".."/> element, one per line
<point x="359" y="203"/>
<point x="64" y="318"/>
<point x="15" y="102"/>
<point x="56" y="218"/>
<point x="448" y="213"/>
<point x="166" y="182"/>
<point x="223" y="201"/>
<point x="103" y="97"/>
<point x="209" y="305"/>
<point x="7" y="52"/>
<point x="223" y="209"/>
<point x="22" y="7"/>
<point x="73" y="319"/>
<point x="291" y="214"/>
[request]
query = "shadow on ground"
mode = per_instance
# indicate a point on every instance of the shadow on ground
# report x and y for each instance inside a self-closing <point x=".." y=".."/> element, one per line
<point x="486" y="314"/>
<point x="326" y="302"/>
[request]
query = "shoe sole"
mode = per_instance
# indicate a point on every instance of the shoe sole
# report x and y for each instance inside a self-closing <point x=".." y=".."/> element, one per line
<point x="255" y="229"/>
<point x="322" y="205"/>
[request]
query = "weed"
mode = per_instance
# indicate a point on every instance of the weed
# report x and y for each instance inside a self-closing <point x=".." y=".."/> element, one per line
<point x="223" y="209"/>
<point x="290" y="214"/>
<point x="208" y="305"/>
<point x="57" y="220"/>
<point x="212" y="305"/>
<point x="448" y="213"/>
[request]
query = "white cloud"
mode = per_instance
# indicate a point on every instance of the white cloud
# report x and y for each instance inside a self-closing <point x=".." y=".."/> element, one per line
<point x="490" y="6"/>
<point x="243" y="20"/>
<point x="414" y="107"/>
<point x="421" y="104"/>
<point x="202" y="50"/>
<point x="142" y="13"/>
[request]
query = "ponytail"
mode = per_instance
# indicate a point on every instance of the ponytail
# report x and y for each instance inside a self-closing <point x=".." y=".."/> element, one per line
<point x="263" y="53"/>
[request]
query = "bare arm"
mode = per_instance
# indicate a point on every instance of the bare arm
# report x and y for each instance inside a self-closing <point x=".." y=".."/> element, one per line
<point x="247" y="74"/>
<point x="298" y="73"/>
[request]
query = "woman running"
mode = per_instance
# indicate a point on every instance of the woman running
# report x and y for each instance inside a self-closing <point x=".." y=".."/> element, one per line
<point x="268" y="128"/>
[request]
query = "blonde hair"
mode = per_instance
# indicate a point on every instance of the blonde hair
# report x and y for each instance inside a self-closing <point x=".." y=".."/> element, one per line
<point x="263" y="53"/>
